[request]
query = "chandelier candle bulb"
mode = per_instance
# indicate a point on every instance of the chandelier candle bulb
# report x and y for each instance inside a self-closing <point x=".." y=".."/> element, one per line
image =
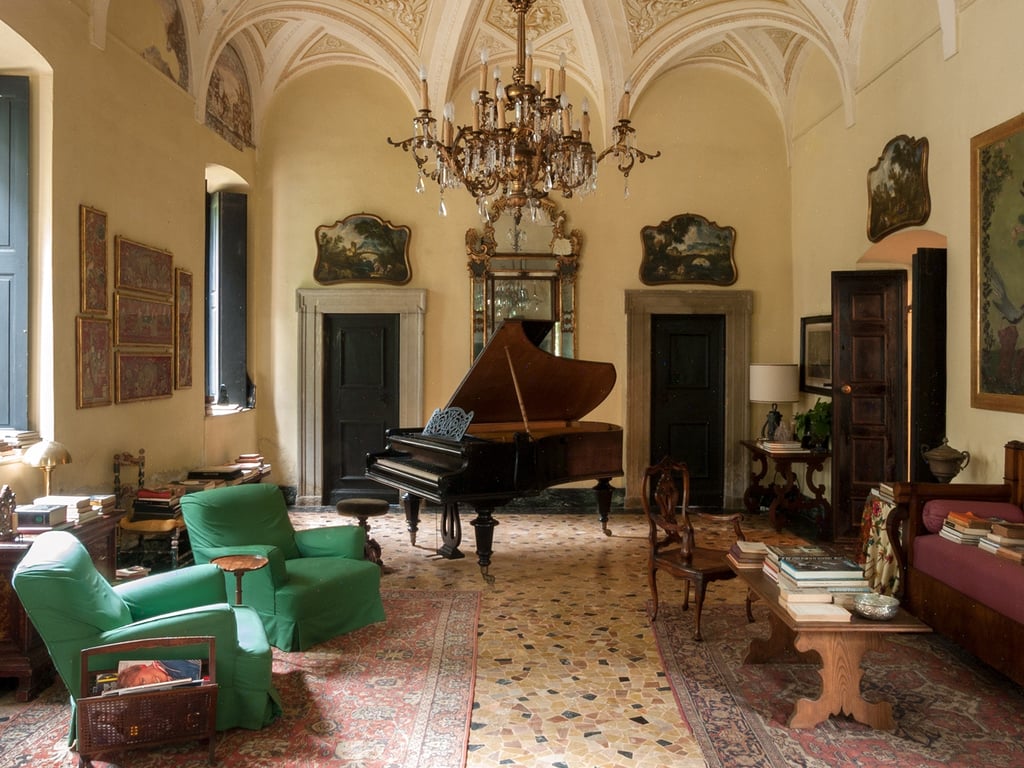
<point x="424" y="99"/>
<point x="529" y="62"/>
<point x="549" y="83"/>
<point x="483" y="69"/>
<point x="561" y="74"/>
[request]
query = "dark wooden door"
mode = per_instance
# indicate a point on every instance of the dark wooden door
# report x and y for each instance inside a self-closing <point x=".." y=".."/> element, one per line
<point x="688" y="399"/>
<point x="361" y="392"/>
<point x="869" y="375"/>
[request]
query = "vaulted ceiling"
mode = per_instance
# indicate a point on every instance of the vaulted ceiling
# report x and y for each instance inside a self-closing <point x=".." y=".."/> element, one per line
<point x="606" y="42"/>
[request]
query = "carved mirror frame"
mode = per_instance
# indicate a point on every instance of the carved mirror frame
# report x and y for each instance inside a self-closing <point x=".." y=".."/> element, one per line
<point x="525" y="268"/>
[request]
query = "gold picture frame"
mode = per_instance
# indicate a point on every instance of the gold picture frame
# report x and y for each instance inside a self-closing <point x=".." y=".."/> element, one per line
<point x="182" y="328"/>
<point x="93" y="350"/>
<point x="92" y="244"/>
<point x="997" y="270"/>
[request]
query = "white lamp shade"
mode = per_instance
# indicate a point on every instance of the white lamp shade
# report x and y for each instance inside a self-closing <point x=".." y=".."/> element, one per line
<point x="774" y="383"/>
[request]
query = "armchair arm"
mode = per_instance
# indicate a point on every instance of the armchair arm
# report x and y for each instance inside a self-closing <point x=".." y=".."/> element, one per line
<point x="173" y="591"/>
<point x="346" y="541"/>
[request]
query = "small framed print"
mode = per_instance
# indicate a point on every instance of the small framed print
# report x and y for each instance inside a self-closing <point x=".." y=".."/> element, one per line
<point x="93" y="355"/>
<point x="143" y="376"/>
<point x="92" y="245"/>
<point x="816" y="354"/>
<point x="142" y="322"/>
<point x="139" y="267"/>
<point x="182" y="329"/>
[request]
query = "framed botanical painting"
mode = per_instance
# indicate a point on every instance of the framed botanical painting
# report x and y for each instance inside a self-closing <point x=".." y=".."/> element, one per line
<point x="93" y="357"/>
<point x="997" y="267"/>
<point x="182" y="329"/>
<point x="142" y="321"/>
<point x="143" y="376"/>
<point x="92" y="244"/>
<point x="688" y="249"/>
<point x="816" y="354"/>
<point x="898" y="193"/>
<point x="362" y="248"/>
<point x="139" y="267"/>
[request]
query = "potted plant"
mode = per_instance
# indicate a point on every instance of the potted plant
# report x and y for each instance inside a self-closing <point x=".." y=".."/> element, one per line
<point x="814" y="426"/>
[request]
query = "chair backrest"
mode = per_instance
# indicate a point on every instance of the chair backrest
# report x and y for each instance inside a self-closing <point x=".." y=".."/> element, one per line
<point x="67" y="599"/>
<point x="125" y="494"/>
<point x="239" y="515"/>
<point x="665" y="495"/>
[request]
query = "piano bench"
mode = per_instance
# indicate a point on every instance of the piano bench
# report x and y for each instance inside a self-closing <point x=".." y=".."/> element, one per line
<point x="361" y="509"/>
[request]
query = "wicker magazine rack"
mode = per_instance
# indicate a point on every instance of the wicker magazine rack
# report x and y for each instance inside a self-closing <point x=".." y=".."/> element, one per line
<point x="116" y="723"/>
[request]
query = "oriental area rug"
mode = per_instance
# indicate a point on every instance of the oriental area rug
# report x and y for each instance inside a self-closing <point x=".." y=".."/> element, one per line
<point x="397" y="694"/>
<point x="950" y="710"/>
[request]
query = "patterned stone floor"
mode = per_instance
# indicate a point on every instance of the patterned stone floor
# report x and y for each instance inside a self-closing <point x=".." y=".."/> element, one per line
<point x="568" y="675"/>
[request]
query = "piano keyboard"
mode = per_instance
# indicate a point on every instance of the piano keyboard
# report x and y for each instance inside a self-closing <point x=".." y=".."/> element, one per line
<point x="410" y="468"/>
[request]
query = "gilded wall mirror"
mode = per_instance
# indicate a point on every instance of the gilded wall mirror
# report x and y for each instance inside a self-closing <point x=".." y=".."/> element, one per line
<point x="525" y="269"/>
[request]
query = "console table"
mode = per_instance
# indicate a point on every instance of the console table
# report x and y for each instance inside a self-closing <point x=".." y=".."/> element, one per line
<point x="787" y="499"/>
<point x="22" y="652"/>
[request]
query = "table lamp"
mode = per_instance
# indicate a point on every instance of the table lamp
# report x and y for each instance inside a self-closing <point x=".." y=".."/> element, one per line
<point x="774" y="383"/>
<point x="45" y="455"/>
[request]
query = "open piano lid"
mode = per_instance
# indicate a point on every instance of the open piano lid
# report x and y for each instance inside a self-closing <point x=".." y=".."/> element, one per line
<point x="552" y="388"/>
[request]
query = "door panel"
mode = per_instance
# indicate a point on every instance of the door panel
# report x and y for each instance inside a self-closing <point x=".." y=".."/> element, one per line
<point x="688" y="399"/>
<point x="360" y="399"/>
<point x="869" y="396"/>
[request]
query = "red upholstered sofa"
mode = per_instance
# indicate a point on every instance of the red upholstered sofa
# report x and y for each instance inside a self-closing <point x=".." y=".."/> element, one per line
<point x="972" y="596"/>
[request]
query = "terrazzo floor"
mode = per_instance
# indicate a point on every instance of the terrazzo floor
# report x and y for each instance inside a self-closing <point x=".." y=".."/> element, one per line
<point x="568" y="673"/>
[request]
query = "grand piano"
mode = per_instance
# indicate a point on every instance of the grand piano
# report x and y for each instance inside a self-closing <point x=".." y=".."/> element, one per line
<point x="525" y="436"/>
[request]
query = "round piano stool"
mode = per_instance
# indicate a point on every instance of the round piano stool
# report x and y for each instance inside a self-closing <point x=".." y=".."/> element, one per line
<point x="362" y="510"/>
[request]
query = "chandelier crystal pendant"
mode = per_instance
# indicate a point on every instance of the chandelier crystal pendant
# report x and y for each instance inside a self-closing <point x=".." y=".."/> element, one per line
<point x="524" y="141"/>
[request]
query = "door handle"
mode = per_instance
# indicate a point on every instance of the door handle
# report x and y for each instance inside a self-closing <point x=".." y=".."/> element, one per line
<point x="846" y="389"/>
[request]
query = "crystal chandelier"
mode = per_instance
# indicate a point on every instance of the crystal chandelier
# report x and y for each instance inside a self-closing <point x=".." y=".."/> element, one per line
<point x="524" y="140"/>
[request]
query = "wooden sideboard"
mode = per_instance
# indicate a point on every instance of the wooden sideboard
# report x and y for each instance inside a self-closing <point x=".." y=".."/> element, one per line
<point x="22" y="652"/>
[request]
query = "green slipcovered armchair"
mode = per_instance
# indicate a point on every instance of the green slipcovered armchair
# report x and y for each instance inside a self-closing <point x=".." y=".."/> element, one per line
<point x="317" y="584"/>
<point x="73" y="607"/>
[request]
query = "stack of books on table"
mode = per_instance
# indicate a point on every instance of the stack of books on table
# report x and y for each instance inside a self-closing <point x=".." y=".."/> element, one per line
<point x="885" y="493"/>
<point x="747" y="554"/>
<point x="965" y="527"/>
<point x="103" y="503"/>
<point x="1005" y="540"/>
<point x="776" y="552"/>
<point x="781" y="446"/>
<point x="79" y="508"/>
<point x="156" y="504"/>
<point x="818" y="580"/>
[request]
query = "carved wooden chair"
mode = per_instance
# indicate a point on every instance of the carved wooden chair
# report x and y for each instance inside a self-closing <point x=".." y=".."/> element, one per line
<point x="665" y="497"/>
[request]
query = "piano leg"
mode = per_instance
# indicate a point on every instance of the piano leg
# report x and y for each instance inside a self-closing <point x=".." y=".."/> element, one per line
<point x="483" y="525"/>
<point x="411" y="504"/>
<point x="451" y="532"/>
<point x="603" y="490"/>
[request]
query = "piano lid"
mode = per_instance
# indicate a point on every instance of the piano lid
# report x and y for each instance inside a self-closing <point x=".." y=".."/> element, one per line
<point x="553" y="388"/>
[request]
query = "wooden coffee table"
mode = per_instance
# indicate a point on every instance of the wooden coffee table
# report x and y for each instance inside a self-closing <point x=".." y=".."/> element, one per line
<point x="841" y="647"/>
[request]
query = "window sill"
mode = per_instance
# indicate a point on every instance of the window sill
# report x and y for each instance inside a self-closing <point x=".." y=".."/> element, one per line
<point x="226" y="410"/>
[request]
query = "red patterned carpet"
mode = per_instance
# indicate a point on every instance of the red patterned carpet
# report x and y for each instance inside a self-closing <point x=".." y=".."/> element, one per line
<point x="950" y="710"/>
<point x="392" y="695"/>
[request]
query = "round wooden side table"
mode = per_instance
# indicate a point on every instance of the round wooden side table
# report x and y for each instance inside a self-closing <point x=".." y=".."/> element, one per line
<point x="362" y="509"/>
<point x="239" y="565"/>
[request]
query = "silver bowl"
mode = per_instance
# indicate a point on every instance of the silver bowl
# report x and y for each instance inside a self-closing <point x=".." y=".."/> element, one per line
<point x="877" y="607"/>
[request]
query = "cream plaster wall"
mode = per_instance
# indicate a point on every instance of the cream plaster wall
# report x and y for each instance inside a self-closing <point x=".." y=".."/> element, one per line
<point x="124" y="140"/>
<point x="323" y="156"/>
<point x="912" y="90"/>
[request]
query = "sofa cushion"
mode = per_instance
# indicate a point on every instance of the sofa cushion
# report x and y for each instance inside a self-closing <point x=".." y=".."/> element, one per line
<point x="935" y="511"/>
<point x="992" y="580"/>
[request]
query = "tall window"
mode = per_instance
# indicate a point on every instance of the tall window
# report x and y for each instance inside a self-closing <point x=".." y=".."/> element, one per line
<point x="14" y="272"/>
<point x="226" y="378"/>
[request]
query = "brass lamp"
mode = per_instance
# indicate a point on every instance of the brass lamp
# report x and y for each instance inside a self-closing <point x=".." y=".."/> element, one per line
<point x="45" y="455"/>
